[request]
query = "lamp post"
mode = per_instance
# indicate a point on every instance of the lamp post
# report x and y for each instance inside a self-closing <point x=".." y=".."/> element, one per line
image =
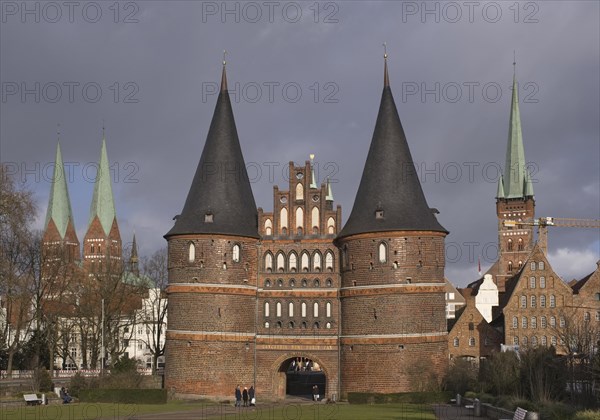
<point x="102" y="341"/>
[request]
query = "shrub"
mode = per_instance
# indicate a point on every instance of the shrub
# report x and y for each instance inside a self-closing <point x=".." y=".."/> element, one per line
<point x="461" y="377"/>
<point x="587" y="415"/>
<point x="45" y="380"/>
<point x="76" y="384"/>
<point x="403" y="397"/>
<point x="557" y="411"/>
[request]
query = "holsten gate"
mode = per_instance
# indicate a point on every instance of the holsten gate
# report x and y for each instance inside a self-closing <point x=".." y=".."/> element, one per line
<point x="287" y="299"/>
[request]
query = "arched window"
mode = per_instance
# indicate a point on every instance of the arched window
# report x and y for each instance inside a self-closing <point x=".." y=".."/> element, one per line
<point x="542" y="281"/>
<point x="315" y="222"/>
<point x="524" y="322"/>
<point x="305" y="261"/>
<point x="268" y="262"/>
<point x="532" y="266"/>
<point x="544" y="341"/>
<point x="533" y="322"/>
<point x="552" y="322"/>
<point x="192" y="252"/>
<point x="532" y="282"/>
<point x="328" y="325"/>
<point x="268" y="227"/>
<point x="283" y="219"/>
<point x="510" y="245"/>
<point x="515" y="340"/>
<point x="329" y="261"/>
<point x="92" y="249"/>
<point x="520" y="244"/>
<point x="456" y="342"/>
<point x="515" y="322"/>
<point x="267" y="283"/>
<point x="267" y="309"/>
<point x="552" y="301"/>
<point x="541" y="265"/>
<point x="291" y="324"/>
<point x="543" y="322"/>
<point x="382" y="252"/>
<point x="316" y="309"/>
<point x="267" y="324"/>
<point x="510" y="266"/>
<point x="586" y="316"/>
<point x="328" y="283"/>
<point x="278" y="309"/>
<point x="520" y="264"/>
<point x="299" y="191"/>
<point x="533" y="302"/>
<point x="280" y="262"/>
<point x="303" y="309"/>
<point x="331" y="226"/>
<point x="293" y="262"/>
<point x="316" y="325"/>
<point x="316" y="283"/>
<point x="523" y="301"/>
<point x="317" y="261"/>
<point x="235" y="253"/>
<point x="534" y="341"/>
<point x="542" y="301"/>
<point x="291" y="309"/>
<point x="471" y="341"/>
<point x="525" y="340"/>
<point x="553" y="341"/>
<point x="299" y="218"/>
<point x="328" y="310"/>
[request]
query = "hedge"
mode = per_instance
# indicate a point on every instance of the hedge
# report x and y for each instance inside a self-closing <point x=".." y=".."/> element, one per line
<point x="403" y="397"/>
<point x="124" y="396"/>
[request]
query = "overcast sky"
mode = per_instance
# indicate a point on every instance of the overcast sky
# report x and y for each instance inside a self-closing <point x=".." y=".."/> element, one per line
<point x="306" y="77"/>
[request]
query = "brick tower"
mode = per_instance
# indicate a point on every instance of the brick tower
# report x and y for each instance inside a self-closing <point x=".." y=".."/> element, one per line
<point x="102" y="240"/>
<point x="213" y="269"/>
<point x="393" y="334"/>
<point x="514" y="202"/>
<point x="60" y="245"/>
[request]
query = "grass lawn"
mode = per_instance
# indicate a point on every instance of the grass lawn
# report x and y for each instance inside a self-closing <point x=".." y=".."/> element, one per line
<point x="204" y="410"/>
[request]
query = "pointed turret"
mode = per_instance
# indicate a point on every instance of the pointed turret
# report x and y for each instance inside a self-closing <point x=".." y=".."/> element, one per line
<point x="133" y="259"/>
<point x="59" y="206"/>
<point x="515" y="171"/>
<point x="329" y="192"/>
<point x="500" y="192"/>
<point x="389" y="197"/>
<point x="220" y="200"/>
<point x="103" y="204"/>
<point x="313" y="182"/>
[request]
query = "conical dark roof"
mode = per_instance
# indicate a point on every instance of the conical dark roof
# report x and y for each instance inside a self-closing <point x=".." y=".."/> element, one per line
<point x="221" y="190"/>
<point x="390" y="197"/>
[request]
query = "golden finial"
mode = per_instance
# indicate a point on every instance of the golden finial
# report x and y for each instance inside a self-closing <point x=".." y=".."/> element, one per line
<point x="224" y="57"/>
<point x="312" y="157"/>
<point x="384" y="50"/>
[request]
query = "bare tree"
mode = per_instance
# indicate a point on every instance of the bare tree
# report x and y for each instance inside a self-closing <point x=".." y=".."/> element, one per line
<point x="154" y="312"/>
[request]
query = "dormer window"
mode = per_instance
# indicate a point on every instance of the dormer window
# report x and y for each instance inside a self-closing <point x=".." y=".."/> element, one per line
<point x="208" y="217"/>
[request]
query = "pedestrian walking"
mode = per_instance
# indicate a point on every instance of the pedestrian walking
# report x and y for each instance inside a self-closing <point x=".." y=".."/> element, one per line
<point x="251" y="396"/>
<point x="245" y="396"/>
<point x="238" y="397"/>
<point x="315" y="393"/>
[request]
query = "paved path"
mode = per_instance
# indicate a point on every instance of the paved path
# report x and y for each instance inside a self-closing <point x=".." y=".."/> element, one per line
<point x="452" y="412"/>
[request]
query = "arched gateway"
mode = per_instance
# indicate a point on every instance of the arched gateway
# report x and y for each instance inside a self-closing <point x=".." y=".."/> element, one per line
<point x="297" y="375"/>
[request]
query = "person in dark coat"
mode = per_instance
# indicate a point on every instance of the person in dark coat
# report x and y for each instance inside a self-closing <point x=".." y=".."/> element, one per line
<point x="245" y="396"/>
<point x="315" y="393"/>
<point x="251" y="395"/>
<point x="238" y="397"/>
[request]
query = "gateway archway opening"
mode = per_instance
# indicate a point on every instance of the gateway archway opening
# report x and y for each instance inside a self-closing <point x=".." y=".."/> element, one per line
<point x="300" y="375"/>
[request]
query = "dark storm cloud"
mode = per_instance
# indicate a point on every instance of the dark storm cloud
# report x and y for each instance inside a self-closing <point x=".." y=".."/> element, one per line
<point x="155" y="68"/>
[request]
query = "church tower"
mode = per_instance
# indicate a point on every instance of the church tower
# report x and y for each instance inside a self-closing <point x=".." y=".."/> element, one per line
<point x="60" y="245"/>
<point x="102" y="241"/>
<point x="393" y="334"/>
<point x="213" y="269"/>
<point x="514" y="201"/>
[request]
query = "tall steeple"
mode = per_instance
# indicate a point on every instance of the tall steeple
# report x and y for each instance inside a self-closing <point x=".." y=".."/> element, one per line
<point x="103" y="204"/>
<point x="59" y="206"/>
<point x="515" y="172"/>
<point x="133" y="259"/>
<point x="220" y="199"/>
<point x="390" y="197"/>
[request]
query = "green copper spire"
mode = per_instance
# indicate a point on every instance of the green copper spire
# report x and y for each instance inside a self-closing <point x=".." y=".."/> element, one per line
<point x="103" y="204"/>
<point x="515" y="172"/>
<point x="329" y="193"/>
<point x="500" y="193"/>
<point x="59" y="206"/>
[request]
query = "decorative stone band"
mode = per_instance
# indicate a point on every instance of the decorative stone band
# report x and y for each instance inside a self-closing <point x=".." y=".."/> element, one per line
<point x="219" y="289"/>
<point x="296" y="339"/>
<point x="394" y="338"/>
<point x="392" y="289"/>
<point x="209" y="336"/>
<point x="390" y="234"/>
<point x="317" y="293"/>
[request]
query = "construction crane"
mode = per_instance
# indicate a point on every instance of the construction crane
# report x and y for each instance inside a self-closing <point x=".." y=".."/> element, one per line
<point x="543" y="222"/>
